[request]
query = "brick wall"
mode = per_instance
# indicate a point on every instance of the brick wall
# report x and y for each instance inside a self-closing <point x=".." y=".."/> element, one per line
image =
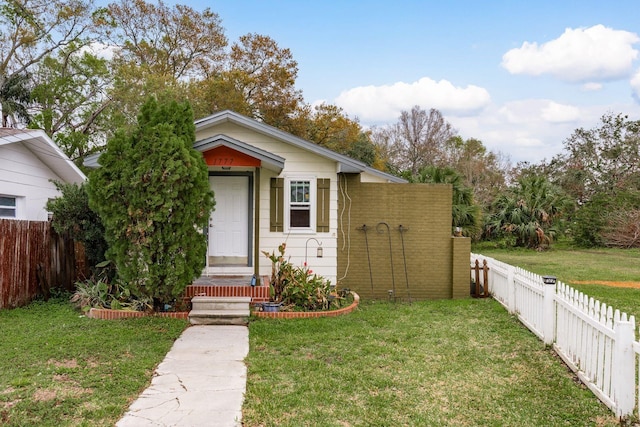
<point x="424" y="210"/>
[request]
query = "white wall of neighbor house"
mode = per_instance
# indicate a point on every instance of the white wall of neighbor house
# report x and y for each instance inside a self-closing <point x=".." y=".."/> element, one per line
<point x="27" y="179"/>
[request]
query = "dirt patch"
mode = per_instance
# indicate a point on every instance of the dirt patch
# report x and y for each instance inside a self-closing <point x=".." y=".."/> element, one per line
<point x="71" y="363"/>
<point x="634" y="285"/>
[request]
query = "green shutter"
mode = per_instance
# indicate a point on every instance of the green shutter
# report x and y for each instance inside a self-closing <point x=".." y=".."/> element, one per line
<point x="322" y="207"/>
<point x="276" y="205"/>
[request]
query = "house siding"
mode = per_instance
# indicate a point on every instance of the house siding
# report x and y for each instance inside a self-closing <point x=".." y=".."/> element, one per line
<point x="25" y="176"/>
<point x="298" y="163"/>
<point x="428" y="266"/>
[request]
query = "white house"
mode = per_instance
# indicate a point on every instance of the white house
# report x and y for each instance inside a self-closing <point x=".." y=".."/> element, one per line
<point x="272" y="188"/>
<point x="29" y="161"/>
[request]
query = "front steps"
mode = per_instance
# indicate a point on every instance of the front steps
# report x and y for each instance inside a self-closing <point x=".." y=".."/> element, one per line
<point x="207" y="310"/>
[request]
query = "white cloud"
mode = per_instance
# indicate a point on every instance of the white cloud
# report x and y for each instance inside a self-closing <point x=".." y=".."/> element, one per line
<point x="591" y="86"/>
<point x="100" y="50"/>
<point x="578" y="55"/>
<point x="560" y="113"/>
<point x="384" y="103"/>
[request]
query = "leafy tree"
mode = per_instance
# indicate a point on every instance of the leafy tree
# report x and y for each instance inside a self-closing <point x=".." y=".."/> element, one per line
<point x="71" y="96"/>
<point x="482" y="170"/>
<point x="15" y="97"/>
<point x="602" y="159"/>
<point x="258" y="81"/>
<point x="72" y="214"/>
<point x="33" y="29"/>
<point x="152" y="193"/>
<point x="465" y="213"/>
<point x="161" y="51"/>
<point x="529" y="212"/>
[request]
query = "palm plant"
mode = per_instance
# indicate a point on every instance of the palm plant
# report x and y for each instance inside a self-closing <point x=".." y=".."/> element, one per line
<point x="465" y="213"/>
<point x="15" y="97"/>
<point x="529" y="212"/>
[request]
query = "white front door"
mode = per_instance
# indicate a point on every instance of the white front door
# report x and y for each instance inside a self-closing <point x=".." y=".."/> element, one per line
<point x="229" y="223"/>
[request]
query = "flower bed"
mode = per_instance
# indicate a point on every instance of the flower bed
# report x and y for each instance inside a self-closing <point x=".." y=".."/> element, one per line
<point x="309" y="314"/>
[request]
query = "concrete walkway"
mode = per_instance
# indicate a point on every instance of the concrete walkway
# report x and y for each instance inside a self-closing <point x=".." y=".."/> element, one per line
<point x="201" y="381"/>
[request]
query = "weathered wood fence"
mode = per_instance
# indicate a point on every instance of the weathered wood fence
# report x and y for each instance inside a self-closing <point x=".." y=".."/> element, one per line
<point x="33" y="260"/>
<point x="597" y="342"/>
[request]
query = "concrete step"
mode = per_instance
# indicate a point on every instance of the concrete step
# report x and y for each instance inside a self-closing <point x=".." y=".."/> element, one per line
<point x="219" y="310"/>
<point x="219" y="303"/>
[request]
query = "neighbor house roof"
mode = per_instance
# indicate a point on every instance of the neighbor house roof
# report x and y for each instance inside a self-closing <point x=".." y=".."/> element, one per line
<point x="45" y="150"/>
<point x="346" y="164"/>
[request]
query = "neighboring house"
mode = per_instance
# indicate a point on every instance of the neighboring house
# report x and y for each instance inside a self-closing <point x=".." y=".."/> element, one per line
<point x="29" y="161"/>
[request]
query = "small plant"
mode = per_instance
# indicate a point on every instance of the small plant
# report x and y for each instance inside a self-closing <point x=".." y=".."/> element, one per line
<point x="297" y="287"/>
<point x="103" y="291"/>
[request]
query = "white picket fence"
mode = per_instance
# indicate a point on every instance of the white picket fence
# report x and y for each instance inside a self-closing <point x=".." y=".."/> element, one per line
<point x="597" y="342"/>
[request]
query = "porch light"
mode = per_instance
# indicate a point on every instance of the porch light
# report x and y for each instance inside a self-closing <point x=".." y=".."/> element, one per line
<point x="319" y="252"/>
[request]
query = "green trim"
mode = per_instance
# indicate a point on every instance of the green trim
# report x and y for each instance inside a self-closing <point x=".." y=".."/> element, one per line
<point x="276" y="205"/>
<point x="322" y="205"/>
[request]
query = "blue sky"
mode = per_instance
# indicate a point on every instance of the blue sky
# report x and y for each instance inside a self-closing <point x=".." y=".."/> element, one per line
<point x="518" y="75"/>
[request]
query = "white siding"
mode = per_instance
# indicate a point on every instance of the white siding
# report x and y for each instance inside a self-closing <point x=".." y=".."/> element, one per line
<point x="24" y="176"/>
<point x="298" y="162"/>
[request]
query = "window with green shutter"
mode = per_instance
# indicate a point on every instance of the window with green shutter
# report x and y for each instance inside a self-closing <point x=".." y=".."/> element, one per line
<point x="304" y="210"/>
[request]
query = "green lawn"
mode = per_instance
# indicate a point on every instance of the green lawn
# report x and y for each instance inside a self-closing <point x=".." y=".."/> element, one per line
<point x="432" y="363"/>
<point x="581" y="265"/>
<point x="58" y="368"/>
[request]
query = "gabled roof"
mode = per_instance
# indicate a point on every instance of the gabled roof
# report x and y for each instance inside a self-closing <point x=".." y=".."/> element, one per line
<point x="268" y="160"/>
<point x="345" y="164"/>
<point x="45" y="150"/>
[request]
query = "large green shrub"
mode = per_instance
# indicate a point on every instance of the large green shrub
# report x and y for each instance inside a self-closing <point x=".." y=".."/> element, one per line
<point x="152" y="193"/>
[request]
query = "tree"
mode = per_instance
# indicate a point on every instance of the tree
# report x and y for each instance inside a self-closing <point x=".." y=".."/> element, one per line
<point x="529" y="212"/>
<point x="416" y="140"/>
<point x="161" y="51"/>
<point x="152" y="193"/>
<point x="33" y="29"/>
<point x="258" y="81"/>
<point x="601" y="171"/>
<point x="15" y="97"/>
<point x="482" y="170"/>
<point x="72" y="215"/>
<point x="329" y="126"/>
<point x="465" y="213"/>
<point x="602" y="159"/>
<point x="71" y="96"/>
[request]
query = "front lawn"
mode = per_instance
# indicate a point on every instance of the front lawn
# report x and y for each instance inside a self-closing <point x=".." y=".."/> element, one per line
<point x="59" y="368"/>
<point x="432" y="363"/>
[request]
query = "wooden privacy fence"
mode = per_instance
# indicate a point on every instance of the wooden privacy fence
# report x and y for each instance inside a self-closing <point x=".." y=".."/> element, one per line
<point x="597" y="342"/>
<point x="34" y="259"/>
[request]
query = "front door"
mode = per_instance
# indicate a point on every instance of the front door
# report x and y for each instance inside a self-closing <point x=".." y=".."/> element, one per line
<point x="229" y="223"/>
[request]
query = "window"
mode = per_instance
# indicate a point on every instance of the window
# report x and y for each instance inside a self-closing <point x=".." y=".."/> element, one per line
<point x="8" y="207"/>
<point x="300" y="204"/>
<point x="307" y="204"/>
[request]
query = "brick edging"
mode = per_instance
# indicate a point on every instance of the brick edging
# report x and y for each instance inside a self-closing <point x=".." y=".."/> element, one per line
<point x="310" y="314"/>
<point x="108" y="314"/>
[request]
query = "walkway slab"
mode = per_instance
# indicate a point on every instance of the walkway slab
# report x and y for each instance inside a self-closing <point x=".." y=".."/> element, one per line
<point x="201" y="381"/>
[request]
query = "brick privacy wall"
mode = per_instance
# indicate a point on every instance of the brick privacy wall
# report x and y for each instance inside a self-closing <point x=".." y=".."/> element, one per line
<point x="461" y="267"/>
<point x="425" y="210"/>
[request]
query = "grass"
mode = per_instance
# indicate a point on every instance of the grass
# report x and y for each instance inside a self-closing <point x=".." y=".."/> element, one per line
<point x="571" y="265"/>
<point x="433" y="363"/>
<point x="59" y="368"/>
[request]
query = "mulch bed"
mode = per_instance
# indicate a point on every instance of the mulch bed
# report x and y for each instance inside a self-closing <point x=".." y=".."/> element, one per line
<point x="634" y="285"/>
